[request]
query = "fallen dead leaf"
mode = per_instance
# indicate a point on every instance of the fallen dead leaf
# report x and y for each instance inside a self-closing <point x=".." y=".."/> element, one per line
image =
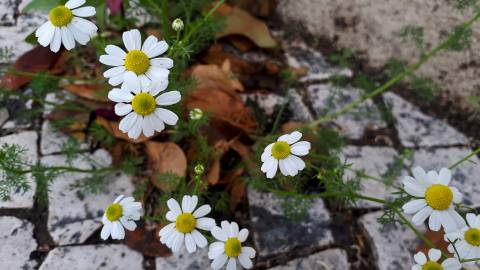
<point x="214" y="76"/>
<point x="112" y="128"/>
<point x="165" y="158"/>
<point x="146" y="241"/>
<point x="89" y="91"/>
<point x="235" y="186"/>
<point x="437" y="238"/>
<point x="220" y="148"/>
<point x="263" y="8"/>
<point x="217" y="56"/>
<point x="38" y="59"/>
<point x="240" y="22"/>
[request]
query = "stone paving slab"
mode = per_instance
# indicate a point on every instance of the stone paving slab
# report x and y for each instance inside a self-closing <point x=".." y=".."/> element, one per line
<point x="417" y="129"/>
<point x="73" y="213"/>
<point x="185" y="261"/>
<point x="331" y="259"/>
<point x="7" y="12"/>
<point x="299" y="55"/>
<point x="465" y="176"/>
<point x="274" y="233"/>
<point x="52" y="140"/>
<point x="373" y="161"/>
<point x="3" y="116"/>
<point x="28" y="141"/>
<point x="300" y="111"/>
<point x="330" y="98"/>
<point x="17" y="243"/>
<point x="393" y="246"/>
<point x="266" y="101"/>
<point x="99" y="257"/>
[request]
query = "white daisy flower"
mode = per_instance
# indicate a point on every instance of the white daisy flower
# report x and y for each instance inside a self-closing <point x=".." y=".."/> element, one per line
<point x="140" y="59"/>
<point x="67" y="25"/>
<point x="230" y="248"/>
<point x="121" y="213"/>
<point x="435" y="199"/>
<point x="139" y="102"/>
<point x="284" y="154"/>
<point x="467" y="239"/>
<point x="432" y="263"/>
<point x="185" y="222"/>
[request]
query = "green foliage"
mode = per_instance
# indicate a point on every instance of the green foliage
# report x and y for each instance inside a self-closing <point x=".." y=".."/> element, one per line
<point x="341" y="58"/>
<point x="461" y="38"/>
<point x="101" y="135"/>
<point x="13" y="164"/>
<point x="42" y="84"/>
<point x="70" y="149"/>
<point x="415" y="34"/>
<point x="42" y="5"/>
<point x="296" y="208"/>
<point x="465" y="4"/>
<point x="390" y="215"/>
<point x="364" y="82"/>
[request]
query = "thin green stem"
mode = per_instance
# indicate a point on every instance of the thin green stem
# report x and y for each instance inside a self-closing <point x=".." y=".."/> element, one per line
<point x="198" y="25"/>
<point x="280" y="112"/>
<point x="407" y="72"/>
<point x="415" y="230"/>
<point x="465" y="158"/>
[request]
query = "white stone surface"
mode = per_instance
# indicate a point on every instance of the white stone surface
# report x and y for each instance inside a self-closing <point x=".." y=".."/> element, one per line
<point x="3" y="116"/>
<point x="393" y="246"/>
<point x="7" y="12"/>
<point x="17" y="243"/>
<point x="52" y="141"/>
<point x="300" y="111"/>
<point x="98" y="257"/>
<point x="265" y="101"/>
<point x="465" y="175"/>
<point x="276" y="234"/>
<point x="331" y="259"/>
<point x="327" y="98"/>
<point x="373" y="161"/>
<point x="299" y="55"/>
<point x="185" y="261"/>
<point x="73" y="213"/>
<point x="417" y="129"/>
<point x="28" y="141"/>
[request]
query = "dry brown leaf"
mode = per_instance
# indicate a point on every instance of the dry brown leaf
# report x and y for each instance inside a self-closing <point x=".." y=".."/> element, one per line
<point x="38" y="59"/>
<point x="242" y="43"/>
<point x="235" y="187"/>
<point x="437" y="238"/>
<point x="263" y="8"/>
<point x="217" y="56"/>
<point x="146" y="241"/>
<point x="89" y="91"/>
<point x="165" y="158"/>
<point x="112" y="128"/>
<point x="215" y="95"/>
<point x="213" y="175"/>
<point x="240" y="22"/>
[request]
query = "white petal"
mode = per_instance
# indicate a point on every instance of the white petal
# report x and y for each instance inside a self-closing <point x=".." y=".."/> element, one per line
<point x="178" y="242"/>
<point x="119" y="198"/>
<point x="451" y="264"/>
<point x="128" y="122"/>
<point x="71" y="4"/>
<point x="291" y="138"/>
<point x="422" y="215"/>
<point x="171" y="216"/>
<point x="67" y="38"/>
<point x="444" y="176"/>
<point x="185" y="203"/>
<point x="273" y="169"/>
<point x="79" y="36"/>
<point x="128" y="224"/>
<point x="167" y="230"/>
<point x="115" y="71"/>
<point x="420" y="258"/>
<point x="167" y="116"/>
<point x="84" y="11"/>
<point x="174" y="206"/>
<point x="47" y="35"/>
<point x="202" y="211"/>
<point x="218" y="233"/>
<point x="233" y="232"/>
<point x="131" y="82"/>
<point x="157" y="123"/>
<point x="120" y="232"/>
<point x="158" y="85"/>
<point x="245" y="261"/>
<point x="43" y="29"/>
<point x="132" y="40"/>
<point x="267" y="153"/>
<point x="250" y="252"/>
<point x="200" y="240"/>
<point x="162" y="62"/>
<point x="111" y="60"/>
<point x="414" y="188"/>
<point x="85" y="26"/>
<point x="147" y="127"/>
<point x="434" y="254"/>
<point x="297" y="162"/>
<point x="420" y="175"/>
<point x="471" y="219"/>
<point x="56" y="41"/>
<point x="414" y="206"/>
<point x="169" y="98"/>
<point x="149" y="43"/>
<point x="284" y="167"/>
<point x="122" y="109"/>
<point x="106" y="230"/>
<point x="242" y="235"/>
<point x="457" y="196"/>
<point x="232" y="264"/>
<point x="157" y="50"/>
<point x="300" y="148"/>
<point x="434" y="221"/>
<point x="115" y="51"/>
<point x="145" y="83"/>
<point x="416" y="267"/>
<point x="136" y="130"/>
<point x="215" y="249"/>
<point x="205" y="223"/>
<point x="219" y="261"/>
<point x="190" y="243"/>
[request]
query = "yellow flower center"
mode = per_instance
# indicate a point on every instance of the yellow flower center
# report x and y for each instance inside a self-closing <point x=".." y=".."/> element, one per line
<point x="472" y="236"/>
<point x="281" y="150"/>
<point x="144" y="104"/>
<point x="432" y="266"/>
<point x="233" y="247"/>
<point x="439" y="197"/>
<point x="61" y="16"/>
<point x="137" y="61"/>
<point x="114" y="212"/>
<point x="185" y="223"/>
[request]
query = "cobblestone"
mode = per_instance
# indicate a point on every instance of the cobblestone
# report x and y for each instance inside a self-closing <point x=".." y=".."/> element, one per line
<point x="325" y="260"/>
<point x="185" y="261"/>
<point x="16" y="238"/>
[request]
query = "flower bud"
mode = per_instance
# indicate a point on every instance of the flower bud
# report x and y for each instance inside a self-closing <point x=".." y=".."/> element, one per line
<point x="177" y="25"/>
<point x="196" y="114"/>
